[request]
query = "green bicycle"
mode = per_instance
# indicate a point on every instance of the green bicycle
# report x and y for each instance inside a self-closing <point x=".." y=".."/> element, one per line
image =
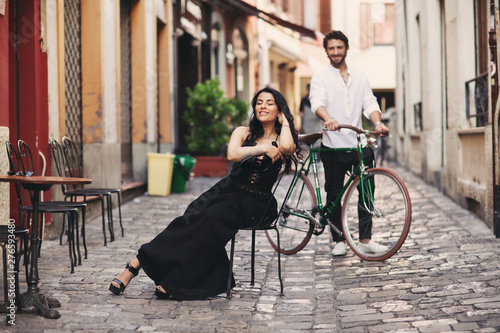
<point x="374" y="198"/>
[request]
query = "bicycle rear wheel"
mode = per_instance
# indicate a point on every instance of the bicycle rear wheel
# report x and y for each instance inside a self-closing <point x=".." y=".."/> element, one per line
<point x="384" y="217"/>
<point x="294" y="227"/>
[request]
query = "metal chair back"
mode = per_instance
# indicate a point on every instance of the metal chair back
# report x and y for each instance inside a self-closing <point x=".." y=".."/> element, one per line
<point x="26" y="162"/>
<point x="74" y="165"/>
<point x="14" y="162"/>
<point x="59" y="159"/>
<point x="27" y="167"/>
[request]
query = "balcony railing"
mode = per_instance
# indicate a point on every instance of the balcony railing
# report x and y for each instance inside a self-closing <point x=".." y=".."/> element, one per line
<point x="479" y="108"/>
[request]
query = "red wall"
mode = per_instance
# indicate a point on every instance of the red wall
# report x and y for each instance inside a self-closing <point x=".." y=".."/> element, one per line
<point x="31" y="115"/>
<point x="4" y="68"/>
<point x="33" y="100"/>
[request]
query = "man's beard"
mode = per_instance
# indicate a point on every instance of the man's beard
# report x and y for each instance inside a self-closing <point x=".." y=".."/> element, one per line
<point x="339" y="61"/>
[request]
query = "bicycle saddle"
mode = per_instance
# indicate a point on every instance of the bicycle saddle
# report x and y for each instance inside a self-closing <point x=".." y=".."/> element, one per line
<point x="309" y="138"/>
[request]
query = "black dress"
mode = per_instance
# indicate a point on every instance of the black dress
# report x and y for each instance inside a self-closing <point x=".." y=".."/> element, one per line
<point x="188" y="259"/>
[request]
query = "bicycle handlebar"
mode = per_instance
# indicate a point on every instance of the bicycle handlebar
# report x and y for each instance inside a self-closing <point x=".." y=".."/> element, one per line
<point x="359" y="130"/>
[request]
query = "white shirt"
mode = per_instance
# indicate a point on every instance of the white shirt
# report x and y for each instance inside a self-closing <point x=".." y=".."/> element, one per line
<point x="345" y="103"/>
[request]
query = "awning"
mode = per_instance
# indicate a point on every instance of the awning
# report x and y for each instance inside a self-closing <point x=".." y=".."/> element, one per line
<point x="270" y="18"/>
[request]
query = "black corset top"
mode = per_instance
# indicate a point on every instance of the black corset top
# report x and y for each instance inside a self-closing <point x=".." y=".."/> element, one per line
<point x="256" y="174"/>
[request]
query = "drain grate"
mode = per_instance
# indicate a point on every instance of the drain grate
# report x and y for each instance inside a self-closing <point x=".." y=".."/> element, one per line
<point x="472" y="241"/>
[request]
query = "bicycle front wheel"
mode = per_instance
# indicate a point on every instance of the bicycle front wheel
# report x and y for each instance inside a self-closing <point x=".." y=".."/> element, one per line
<point x="294" y="226"/>
<point x="381" y="211"/>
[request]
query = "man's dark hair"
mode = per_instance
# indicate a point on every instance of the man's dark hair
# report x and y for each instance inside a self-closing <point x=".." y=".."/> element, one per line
<point x="335" y="34"/>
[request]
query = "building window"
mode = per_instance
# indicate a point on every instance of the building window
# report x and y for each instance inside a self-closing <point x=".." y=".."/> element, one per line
<point x="476" y="89"/>
<point x="377" y="24"/>
<point x="383" y="23"/>
<point x="240" y="50"/>
<point x="285" y="6"/>
<point x="215" y="33"/>
<point x="481" y="36"/>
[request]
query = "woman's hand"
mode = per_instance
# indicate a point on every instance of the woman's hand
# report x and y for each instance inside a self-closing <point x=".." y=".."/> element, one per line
<point x="282" y="119"/>
<point x="272" y="152"/>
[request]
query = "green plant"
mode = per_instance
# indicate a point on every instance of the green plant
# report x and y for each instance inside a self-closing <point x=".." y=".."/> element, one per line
<point x="211" y="117"/>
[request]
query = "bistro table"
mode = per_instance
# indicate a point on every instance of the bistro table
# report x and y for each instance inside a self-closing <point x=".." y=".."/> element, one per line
<point x="42" y="304"/>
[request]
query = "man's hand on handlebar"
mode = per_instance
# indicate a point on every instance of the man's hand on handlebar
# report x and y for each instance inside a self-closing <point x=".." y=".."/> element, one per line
<point x="332" y="125"/>
<point x="382" y="130"/>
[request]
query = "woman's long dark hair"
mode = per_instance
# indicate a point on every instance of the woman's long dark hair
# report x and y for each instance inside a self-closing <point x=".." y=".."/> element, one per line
<point x="256" y="129"/>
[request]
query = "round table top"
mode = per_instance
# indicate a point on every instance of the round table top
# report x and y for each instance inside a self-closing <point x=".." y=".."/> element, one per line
<point x="45" y="180"/>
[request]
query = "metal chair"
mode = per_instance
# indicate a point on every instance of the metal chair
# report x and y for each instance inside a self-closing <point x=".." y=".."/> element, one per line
<point x="272" y="225"/>
<point x="73" y="155"/>
<point x="70" y="166"/>
<point x="9" y="235"/>
<point x="231" y="260"/>
<point x="27" y="163"/>
<point x="25" y="207"/>
<point x="64" y="170"/>
<point x="58" y="157"/>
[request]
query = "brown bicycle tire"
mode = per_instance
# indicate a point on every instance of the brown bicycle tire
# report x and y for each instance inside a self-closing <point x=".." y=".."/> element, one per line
<point x="285" y="249"/>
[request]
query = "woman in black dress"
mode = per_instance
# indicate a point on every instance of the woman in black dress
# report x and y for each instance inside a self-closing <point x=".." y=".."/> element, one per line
<point x="188" y="259"/>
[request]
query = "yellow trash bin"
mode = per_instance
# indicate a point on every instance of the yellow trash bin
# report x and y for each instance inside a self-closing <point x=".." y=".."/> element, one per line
<point x="160" y="168"/>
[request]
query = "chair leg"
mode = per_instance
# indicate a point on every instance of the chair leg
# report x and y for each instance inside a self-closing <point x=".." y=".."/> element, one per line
<point x="16" y="277"/>
<point x="83" y="231"/>
<point x="120" y="212"/>
<point x="63" y="229"/>
<point x="230" y="275"/>
<point x="252" y="280"/>
<point x="72" y="256"/>
<point x="76" y="231"/>
<point x="25" y="224"/>
<point x="279" y="261"/>
<point x="110" y="217"/>
<point x="25" y="243"/>
<point x="103" y="221"/>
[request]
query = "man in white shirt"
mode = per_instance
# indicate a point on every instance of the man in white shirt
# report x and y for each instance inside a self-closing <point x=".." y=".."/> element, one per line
<point x="341" y="95"/>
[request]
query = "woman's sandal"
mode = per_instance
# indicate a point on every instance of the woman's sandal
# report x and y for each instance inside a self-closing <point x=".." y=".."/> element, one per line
<point x="117" y="290"/>
<point x="160" y="294"/>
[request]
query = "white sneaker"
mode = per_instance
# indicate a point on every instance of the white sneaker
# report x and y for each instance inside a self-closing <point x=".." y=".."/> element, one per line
<point x="339" y="249"/>
<point x="373" y="247"/>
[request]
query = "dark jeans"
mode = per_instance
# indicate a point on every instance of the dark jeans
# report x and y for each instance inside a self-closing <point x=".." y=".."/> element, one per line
<point x="336" y="165"/>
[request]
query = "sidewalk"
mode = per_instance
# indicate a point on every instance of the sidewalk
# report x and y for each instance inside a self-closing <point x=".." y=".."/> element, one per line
<point x="445" y="278"/>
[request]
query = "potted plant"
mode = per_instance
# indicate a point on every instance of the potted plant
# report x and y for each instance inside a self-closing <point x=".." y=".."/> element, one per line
<point x="211" y="117"/>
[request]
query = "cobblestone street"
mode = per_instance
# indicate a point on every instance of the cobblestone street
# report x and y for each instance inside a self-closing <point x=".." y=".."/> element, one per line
<point x="445" y="278"/>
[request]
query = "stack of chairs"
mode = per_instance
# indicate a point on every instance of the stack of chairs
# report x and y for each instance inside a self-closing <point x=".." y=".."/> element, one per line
<point x="21" y="163"/>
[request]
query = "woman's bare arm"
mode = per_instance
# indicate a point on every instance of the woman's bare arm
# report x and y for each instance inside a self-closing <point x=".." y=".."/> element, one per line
<point x="237" y="153"/>
<point x="285" y="141"/>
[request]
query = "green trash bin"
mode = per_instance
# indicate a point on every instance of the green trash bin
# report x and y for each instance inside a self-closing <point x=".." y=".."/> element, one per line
<point x="183" y="165"/>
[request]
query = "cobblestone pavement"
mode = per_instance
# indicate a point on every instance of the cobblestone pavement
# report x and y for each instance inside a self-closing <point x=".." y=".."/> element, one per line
<point x="445" y="278"/>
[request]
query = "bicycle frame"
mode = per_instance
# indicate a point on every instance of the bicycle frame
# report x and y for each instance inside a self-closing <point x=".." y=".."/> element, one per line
<point x="375" y="204"/>
<point x="326" y="211"/>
